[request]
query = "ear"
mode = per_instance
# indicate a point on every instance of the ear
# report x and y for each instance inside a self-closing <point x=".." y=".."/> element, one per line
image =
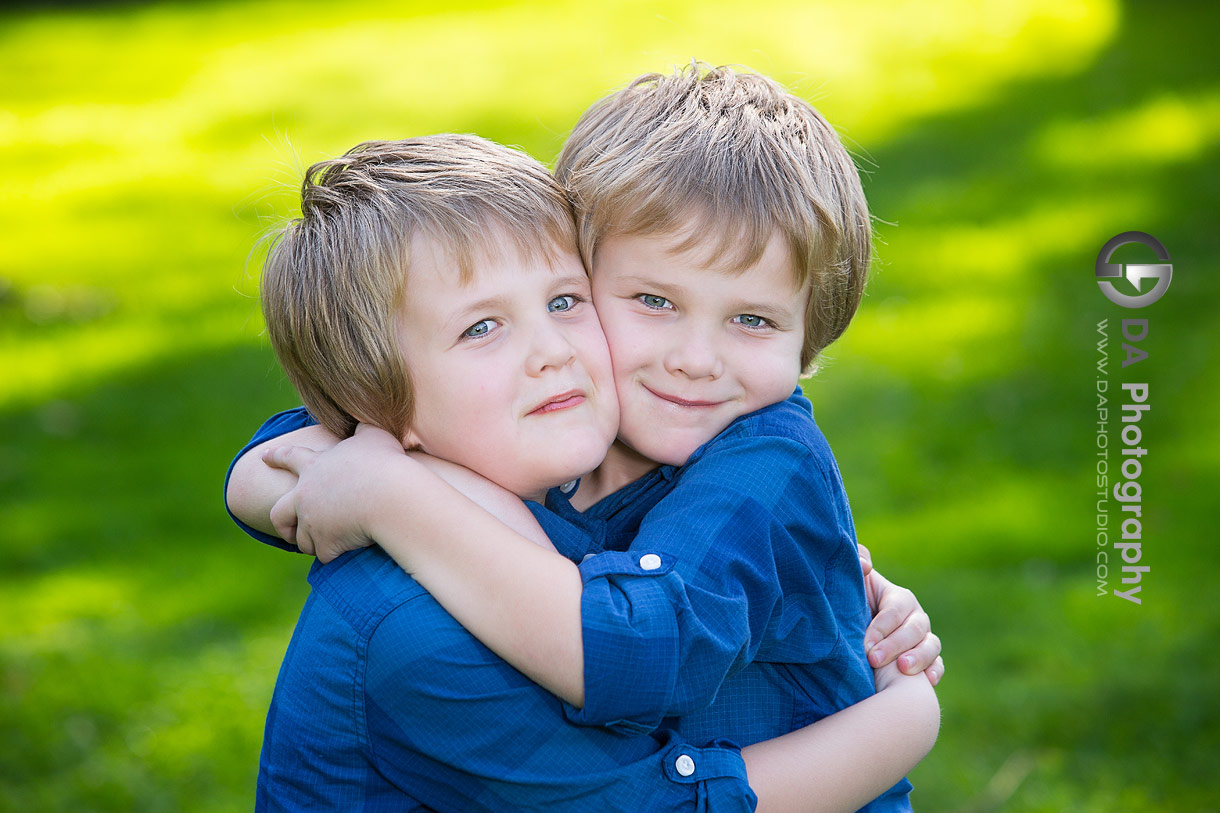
<point x="411" y="441"/>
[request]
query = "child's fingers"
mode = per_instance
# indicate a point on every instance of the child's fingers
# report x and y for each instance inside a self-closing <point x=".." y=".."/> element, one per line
<point x="866" y="559"/>
<point x="289" y="458"/>
<point x="305" y="543"/>
<point x="894" y="606"/>
<point x="922" y="657"/>
<point x="894" y="634"/>
<point x="936" y="671"/>
<point x="284" y="518"/>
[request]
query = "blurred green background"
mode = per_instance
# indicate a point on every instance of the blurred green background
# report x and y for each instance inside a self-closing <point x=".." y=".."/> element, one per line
<point x="146" y="146"/>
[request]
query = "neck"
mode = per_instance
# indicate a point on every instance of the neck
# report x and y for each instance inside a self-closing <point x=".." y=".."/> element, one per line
<point x="623" y="465"/>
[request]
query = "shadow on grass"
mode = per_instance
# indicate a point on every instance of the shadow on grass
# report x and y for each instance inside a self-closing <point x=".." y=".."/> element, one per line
<point x="144" y="630"/>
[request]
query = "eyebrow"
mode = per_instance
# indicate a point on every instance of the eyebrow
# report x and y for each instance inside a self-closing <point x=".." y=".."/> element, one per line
<point x="648" y="284"/>
<point x="500" y="301"/>
<point x="489" y="303"/>
<point x="778" y="314"/>
<point x="572" y="278"/>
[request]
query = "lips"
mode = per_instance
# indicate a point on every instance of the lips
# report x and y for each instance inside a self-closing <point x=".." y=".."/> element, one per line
<point x="682" y="402"/>
<point x="564" y="400"/>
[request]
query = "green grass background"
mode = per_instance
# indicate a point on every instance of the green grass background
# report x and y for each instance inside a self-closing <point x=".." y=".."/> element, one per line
<point x="146" y="146"/>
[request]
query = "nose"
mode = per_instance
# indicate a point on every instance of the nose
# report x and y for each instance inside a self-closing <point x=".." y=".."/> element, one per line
<point x="549" y="349"/>
<point x="694" y="356"/>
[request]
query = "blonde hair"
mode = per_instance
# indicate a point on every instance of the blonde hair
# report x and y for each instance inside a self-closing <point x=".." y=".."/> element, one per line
<point x="744" y="158"/>
<point x="334" y="278"/>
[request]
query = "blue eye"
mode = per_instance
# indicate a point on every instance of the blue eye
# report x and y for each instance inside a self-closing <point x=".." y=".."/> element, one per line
<point x="478" y="329"/>
<point x="750" y="320"/>
<point x="562" y="303"/>
<point x="654" y="302"/>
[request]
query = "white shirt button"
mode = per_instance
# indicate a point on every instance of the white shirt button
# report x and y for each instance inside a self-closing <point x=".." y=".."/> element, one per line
<point x="685" y="765"/>
<point x="587" y="557"/>
<point x="567" y="487"/>
<point x="650" y="561"/>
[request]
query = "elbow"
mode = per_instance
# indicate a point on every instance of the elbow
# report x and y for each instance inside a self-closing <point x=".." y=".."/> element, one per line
<point x="235" y="495"/>
<point x="246" y="493"/>
<point x="926" y="725"/>
<point x="238" y="497"/>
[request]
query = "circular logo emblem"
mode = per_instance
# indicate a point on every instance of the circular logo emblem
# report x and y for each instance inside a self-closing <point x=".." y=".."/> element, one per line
<point x="1134" y="273"/>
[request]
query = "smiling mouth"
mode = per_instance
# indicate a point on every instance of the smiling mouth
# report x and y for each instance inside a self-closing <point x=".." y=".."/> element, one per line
<point x="682" y="402"/>
<point x="565" y="400"/>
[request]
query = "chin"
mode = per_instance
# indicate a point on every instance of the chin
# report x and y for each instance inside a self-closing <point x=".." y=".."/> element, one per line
<point x="671" y="447"/>
<point x="578" y="465"/>
<point x="668" y="454"/>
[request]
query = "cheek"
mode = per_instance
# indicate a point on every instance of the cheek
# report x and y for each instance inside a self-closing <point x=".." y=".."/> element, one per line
<point x="627" y="350"/>
<point x="616" y="325"/>
<point x="462" y="400"/>
<point x="781" y="379"/>
<point x="770" y="375"/>
<point x="594" y="349"/>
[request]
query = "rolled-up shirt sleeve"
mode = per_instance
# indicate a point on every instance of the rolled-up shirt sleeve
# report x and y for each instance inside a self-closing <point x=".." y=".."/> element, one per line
<point x="705" y="585"/>
<point x="630" y="635"/>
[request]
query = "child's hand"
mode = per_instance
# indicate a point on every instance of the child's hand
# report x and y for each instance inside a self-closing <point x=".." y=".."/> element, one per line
<point x="866" y="566"/>
<point x="336" y="492"/>
<point x="886" y="676"/>
<point x="293" y="460"/>
<point x="900" y="631"/>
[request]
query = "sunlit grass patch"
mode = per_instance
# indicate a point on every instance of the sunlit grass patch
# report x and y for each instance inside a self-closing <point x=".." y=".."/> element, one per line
<point x="1171" y="128"/>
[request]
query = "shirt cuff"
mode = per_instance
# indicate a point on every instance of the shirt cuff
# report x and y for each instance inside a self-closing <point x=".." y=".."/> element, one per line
<point x="719" y="770"/>
<point x="278" y="424"/>
<point x="630" y="638"/>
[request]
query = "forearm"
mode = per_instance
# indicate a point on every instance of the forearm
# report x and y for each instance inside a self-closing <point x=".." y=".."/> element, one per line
<point x="254" y="487"/>
<point x="845" y="760"/>
<point x="498" y="502"/>
<point x="520" y="599"/>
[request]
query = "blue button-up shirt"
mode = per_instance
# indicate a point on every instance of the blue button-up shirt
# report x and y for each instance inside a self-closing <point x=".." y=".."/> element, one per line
<point x="748" y="621"/>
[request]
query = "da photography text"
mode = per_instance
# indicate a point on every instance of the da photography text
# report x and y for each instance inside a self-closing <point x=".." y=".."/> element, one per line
<point x="1124" y="403"/>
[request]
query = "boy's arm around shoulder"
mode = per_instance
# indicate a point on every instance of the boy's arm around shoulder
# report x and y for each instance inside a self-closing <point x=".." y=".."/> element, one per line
<point x="843" y="761"/>
<point x="320" y="482"/>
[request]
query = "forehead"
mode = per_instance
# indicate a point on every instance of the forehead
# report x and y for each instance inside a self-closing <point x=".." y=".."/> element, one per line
<point x="692" y="250"/>
<point x="436" y="282"/>
<point x="464" y="261"/>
